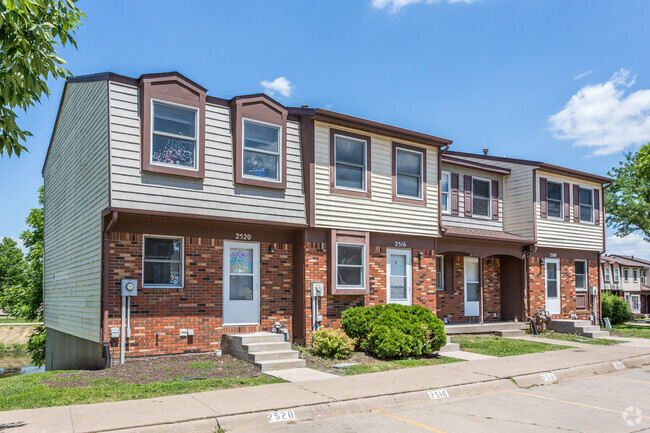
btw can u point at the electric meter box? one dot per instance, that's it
(318, 289)
(129, 287)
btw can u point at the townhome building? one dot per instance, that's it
(626, 276)
(173, 218)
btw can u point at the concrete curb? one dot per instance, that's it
(346, 407)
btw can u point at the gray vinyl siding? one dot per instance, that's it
(518, 196)
(558, 233)
(216, 195)
(76, 192)
(378, 213)
(473, 222)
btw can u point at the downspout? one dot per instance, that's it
(600, 298)
(480, 279)
(105, 331)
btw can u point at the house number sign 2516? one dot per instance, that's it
(243, 236)
(400, 244)
(283, 415)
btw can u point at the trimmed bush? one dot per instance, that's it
(333, 343)
(617, 309)
(395, 331)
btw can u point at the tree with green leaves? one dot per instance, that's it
(12, 266)
(30, 31)
(628, 197)
(24, 298)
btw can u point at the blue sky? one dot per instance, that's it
(558, 81)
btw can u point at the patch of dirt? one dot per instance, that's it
(325, 364)
(15, 334)
(160, 368)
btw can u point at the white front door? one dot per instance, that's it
(635, 303)
(553, 304)
(241, 283)
(472, 290)
(399, 276)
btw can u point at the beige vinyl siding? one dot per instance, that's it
(378, 213)
(630, 285)
(518, 196)
(216, 195)
(76, 192)
(461, 220)
(557, 233)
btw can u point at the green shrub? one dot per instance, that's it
(36, 346)
(333, 343)
(392, 331)
(616, 309)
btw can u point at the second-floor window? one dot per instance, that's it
(635, 275)
(174, 136)
(445, 196)
(408, 173)
(581, 275)
(616, 275)
(607, 274)
(586, 204)
(350, 163)
(554, 198)
(262, 151)
(626, 274)
(481, 197)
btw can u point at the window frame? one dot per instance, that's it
(556, 182)
(280, 153)
(182, 263)
(593, 207)
(635, 275)
(367, 179)
(440, 269)
(350, 238)
(607, 274)
(626, 275)
(617, 275)
(448, 192)
(422, 200)
(489, 198)
(586, 276)
(363, 266)
(152, 132)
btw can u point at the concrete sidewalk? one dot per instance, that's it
(247, 406)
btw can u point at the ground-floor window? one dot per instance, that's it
(440, 273)
(350, 266)
(581, 274)
(162, 262)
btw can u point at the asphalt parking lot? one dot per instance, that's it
(614, 402)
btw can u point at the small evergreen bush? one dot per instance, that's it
(617, 309)
(333, 343)
(395, 331)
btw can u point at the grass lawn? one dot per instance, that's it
(145, 378)
(497, 346)
(366, 363)
(10, 320)
(638, 331)
(577, 338)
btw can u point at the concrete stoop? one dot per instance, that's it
(265, 350)
(512, 333)
(449, 347)
(580, 327)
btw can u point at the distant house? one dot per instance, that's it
(232, 214)
(627, 277)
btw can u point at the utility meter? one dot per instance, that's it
(318, 289)
(129, 287)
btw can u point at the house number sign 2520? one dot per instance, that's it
(243, 236)
(283, 415)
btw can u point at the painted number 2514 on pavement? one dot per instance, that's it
(283, 415)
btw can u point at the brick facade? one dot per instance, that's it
(157, 315)
(451, 301)
(537, 287)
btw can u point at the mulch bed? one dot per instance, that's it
(160, 368)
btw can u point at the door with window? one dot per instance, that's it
(552, 269)
(472, 291)
(399, 276)
(635, 303)
(241, 283)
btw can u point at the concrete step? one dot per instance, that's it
(511, 333)
(583, 329)
(257, 337)
(280, 364)
(267, 347)
(449, 347)
(596, 334)
(273, 356)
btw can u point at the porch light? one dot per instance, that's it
(420, 255)
(271, 249)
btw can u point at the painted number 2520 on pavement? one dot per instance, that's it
(283, 415)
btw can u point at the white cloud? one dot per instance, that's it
(20, 244)
(630, 245)
(584, 74)
(280, 85)
(396, 5)
(604, 116)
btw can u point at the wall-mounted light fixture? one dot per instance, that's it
(489, 262)
(271, 249)
(420, 255)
